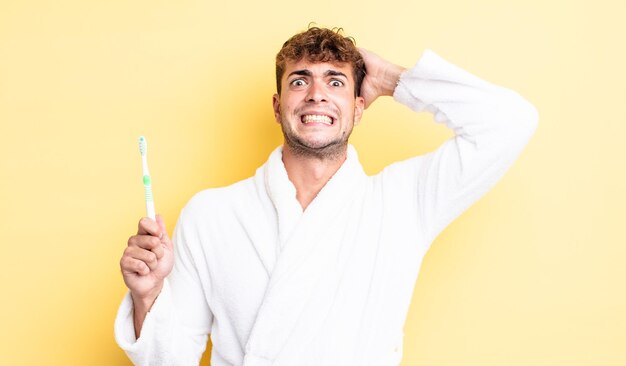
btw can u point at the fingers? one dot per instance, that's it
(148, 226)
(151, 236)
(160, 222)
(147, 242)
(165, 238)
(372, 60)
(133, 265)
(138, 260)
(146, 248)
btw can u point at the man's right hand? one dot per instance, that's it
(147, 260)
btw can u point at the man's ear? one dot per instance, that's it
(276, 106)
(359, 107)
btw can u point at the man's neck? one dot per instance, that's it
(309, 174)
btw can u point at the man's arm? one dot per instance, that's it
(492, 124)
(147, 260)
(164, 319)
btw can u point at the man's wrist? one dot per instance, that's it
(143, 303)
(391, 79)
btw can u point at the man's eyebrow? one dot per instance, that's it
(303, 72)
(335, 73)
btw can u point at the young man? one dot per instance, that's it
(311, 262)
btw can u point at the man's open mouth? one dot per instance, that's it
(317, 118)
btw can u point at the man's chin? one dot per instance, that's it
(322, 150)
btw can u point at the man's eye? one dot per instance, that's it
(298, 82)
(336, 83)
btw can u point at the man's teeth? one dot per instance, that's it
(317, 119)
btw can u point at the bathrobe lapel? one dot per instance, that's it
(311, 248)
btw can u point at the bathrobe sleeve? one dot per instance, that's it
(491, 126)
(175, 331)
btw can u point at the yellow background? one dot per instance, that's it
(533, 274)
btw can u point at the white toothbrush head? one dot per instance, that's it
(143, 146)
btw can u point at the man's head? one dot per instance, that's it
(319, 74)
(321, 45)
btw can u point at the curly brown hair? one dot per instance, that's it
(321, 45)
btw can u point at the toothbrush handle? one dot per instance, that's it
(147, 186)
(150, 209)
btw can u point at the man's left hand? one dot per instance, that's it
(381, 77)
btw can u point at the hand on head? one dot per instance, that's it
(381, 77)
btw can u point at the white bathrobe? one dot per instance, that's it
(274, 285)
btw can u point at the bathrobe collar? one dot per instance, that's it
(282, 192)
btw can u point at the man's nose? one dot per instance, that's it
(316, 93)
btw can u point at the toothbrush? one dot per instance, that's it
(147, 182)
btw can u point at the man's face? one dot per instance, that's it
(317, 108)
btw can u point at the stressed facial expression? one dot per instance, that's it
(317, 107)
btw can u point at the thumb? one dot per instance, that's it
(164, 237)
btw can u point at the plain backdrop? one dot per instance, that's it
(533, 274)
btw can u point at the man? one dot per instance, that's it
(311, 262)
